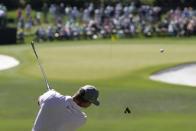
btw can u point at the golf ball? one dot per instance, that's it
(162, 50)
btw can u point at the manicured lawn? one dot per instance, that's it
(119, 69)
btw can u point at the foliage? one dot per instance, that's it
(37, 4)
(172, 4)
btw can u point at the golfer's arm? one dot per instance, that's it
(45, 96)
(42, 98)
(39, 101)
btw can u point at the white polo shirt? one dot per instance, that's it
(58, 113)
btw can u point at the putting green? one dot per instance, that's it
(119, 69)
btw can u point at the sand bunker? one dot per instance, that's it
(183, 75)
(7, 62)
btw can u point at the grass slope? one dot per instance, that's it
(119, 69)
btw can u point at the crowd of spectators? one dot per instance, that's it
(92, 21)
(179, 22)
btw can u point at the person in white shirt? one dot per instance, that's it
(63, 113)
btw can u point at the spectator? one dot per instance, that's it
(38, 18)
(19, 13)
(28, 11)
(3, 15)
(45, 12)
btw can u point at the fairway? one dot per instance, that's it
(119, 69)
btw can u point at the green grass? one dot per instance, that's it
(119, 69)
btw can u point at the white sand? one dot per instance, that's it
(7, 62)
(182, 75)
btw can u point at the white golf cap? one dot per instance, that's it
(91, 94)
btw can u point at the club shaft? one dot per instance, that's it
(41, 67)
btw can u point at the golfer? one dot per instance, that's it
(63, 113)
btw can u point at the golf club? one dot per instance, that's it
(41, 67)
